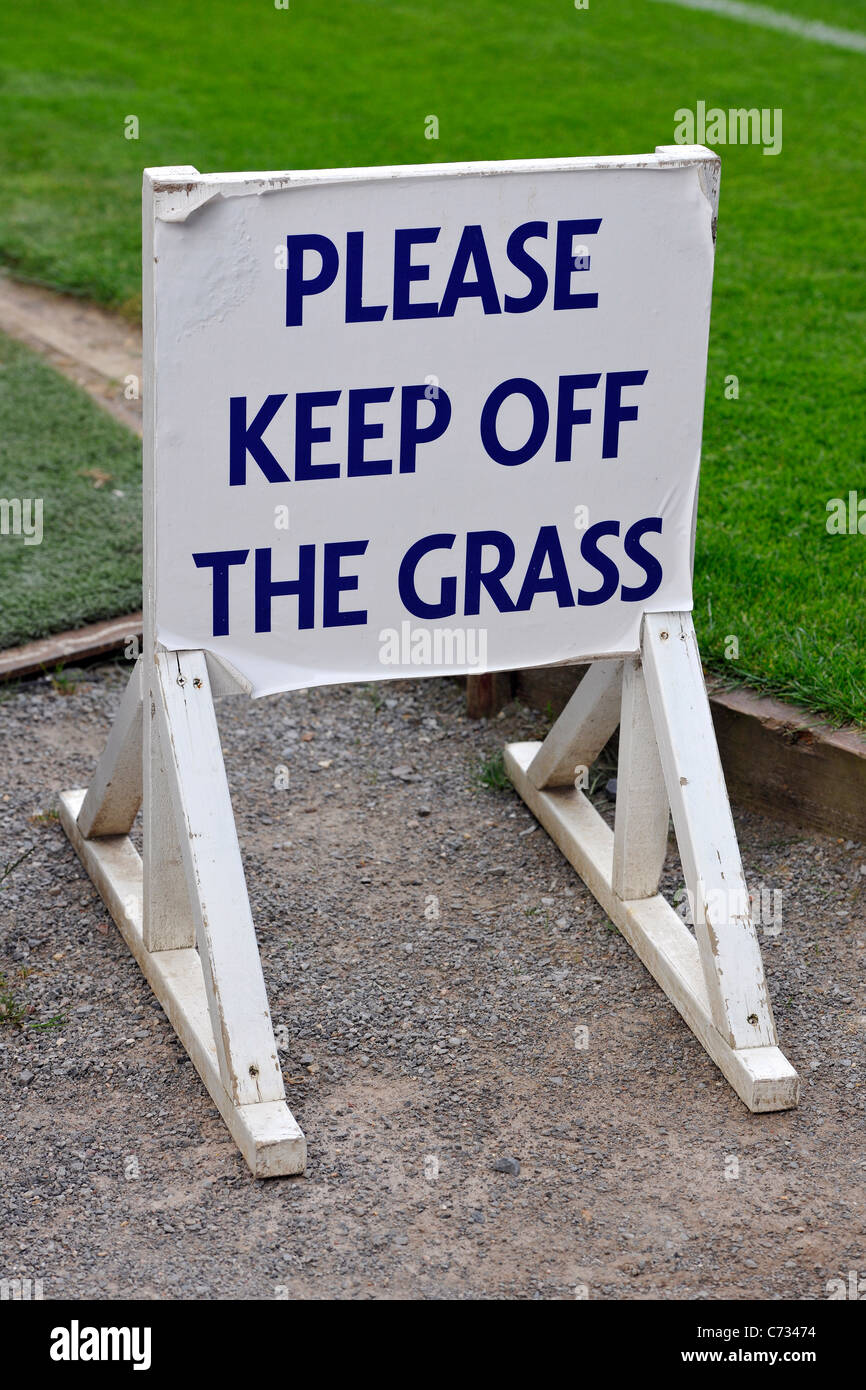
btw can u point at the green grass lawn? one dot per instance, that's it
(57, 445)
(228, 85)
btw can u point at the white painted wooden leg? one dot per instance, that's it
(642, 812)
(584, 727)
(114, 795)
(241, 1020)
(731, 957)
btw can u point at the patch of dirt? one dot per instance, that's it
(98, 350)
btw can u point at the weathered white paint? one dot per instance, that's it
(169, 923)
(181, 190)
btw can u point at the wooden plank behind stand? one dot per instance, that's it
(787, 763)
(79, 644)
(777, 759)
(488, 693)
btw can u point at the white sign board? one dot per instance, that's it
(425, 420)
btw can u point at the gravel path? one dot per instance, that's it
(431, 961)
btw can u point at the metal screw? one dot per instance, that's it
(663, 636)
(197, 682)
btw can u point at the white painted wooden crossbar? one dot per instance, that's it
(584, 727)
(114, 795)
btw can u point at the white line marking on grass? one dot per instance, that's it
(766, 18)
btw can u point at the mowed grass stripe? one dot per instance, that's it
(815, 31)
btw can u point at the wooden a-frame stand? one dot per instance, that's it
(184, 913)
(183, 910)
(668, 759)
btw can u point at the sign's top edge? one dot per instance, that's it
(179, 190)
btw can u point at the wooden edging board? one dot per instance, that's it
(63, 648)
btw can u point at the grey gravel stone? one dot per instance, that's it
(507, 1165)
